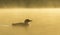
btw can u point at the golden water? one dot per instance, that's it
(45, 21)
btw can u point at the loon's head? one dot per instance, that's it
(27, 21)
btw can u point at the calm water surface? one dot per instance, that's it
(44, 22)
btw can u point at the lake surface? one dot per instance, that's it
(45, 21)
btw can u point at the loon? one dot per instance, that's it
(25, 23)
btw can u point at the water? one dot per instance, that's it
(44, 21)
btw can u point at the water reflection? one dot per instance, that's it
(45, 22)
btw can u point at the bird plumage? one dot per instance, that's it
(25, 23)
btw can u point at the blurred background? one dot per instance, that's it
(30, 3)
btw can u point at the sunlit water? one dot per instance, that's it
(44, 21)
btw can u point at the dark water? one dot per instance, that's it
(45, 21)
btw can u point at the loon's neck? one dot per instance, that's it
(26, 23)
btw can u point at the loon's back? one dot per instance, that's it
(20, 24)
